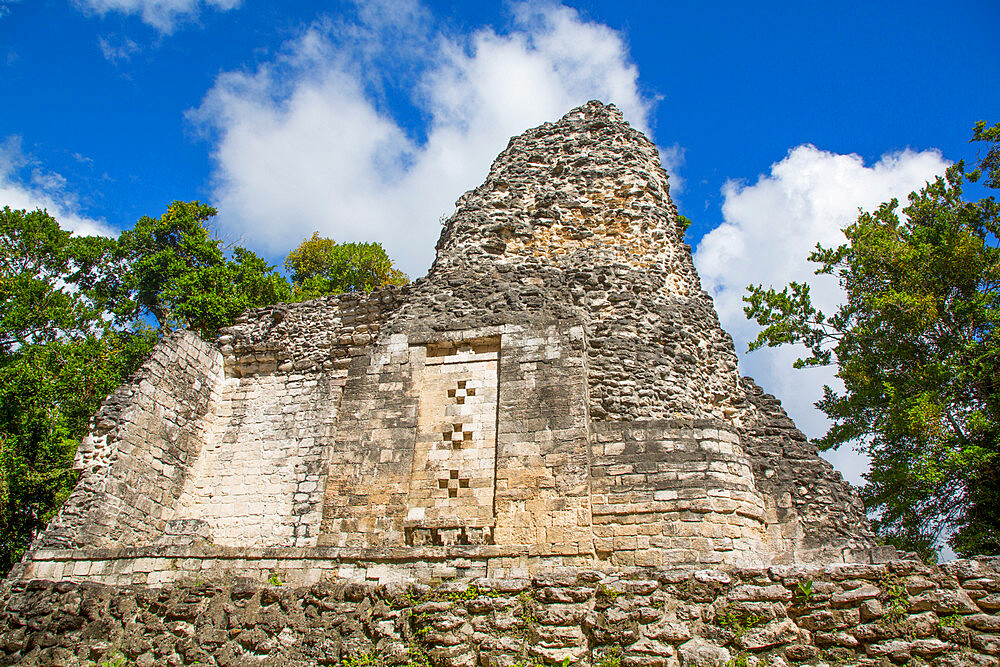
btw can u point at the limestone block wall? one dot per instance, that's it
(474, 438)
(320, 335)
(223, 442)
(259, 480)
(543, 444)
(371, 459)
(675, 492)
(864, 615)
(454, 462)
(509, 465)
(145, 438)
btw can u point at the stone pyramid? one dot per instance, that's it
(557, 391)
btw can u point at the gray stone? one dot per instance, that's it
(700, 653)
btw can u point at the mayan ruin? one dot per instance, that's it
(542, 452)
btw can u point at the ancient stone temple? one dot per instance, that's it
(550, 426)
(556, 391)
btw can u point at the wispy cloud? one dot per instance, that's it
(24, 184)
(306, 142)
(164, 15)
(5, 7)
(768, 231)
(117, 49)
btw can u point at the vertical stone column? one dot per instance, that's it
(543, 450)
(454, 465)
(371, 459)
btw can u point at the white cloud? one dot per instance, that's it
(163, 15)
(117, 50)
(42, 189)
(768, 231)
(304, 142)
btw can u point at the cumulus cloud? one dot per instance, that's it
(769, 228)
(164, 15)
(306, 142)
(25, 185)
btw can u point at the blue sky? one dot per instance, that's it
(365, 121)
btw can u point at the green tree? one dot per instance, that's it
(917, 346)
(48, 392)
(36, 263)
(58, 360)
(321, 266)
(176, 272)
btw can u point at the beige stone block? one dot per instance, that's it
(81, 569)
(40, 570)
(625, 543)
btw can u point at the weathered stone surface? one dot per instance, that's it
(983, 622)
(775, 633)
(986, 644)
(852, 597)
(944, 601)
(549, 427)
(556, 391)
(229, 622)
(700, 653)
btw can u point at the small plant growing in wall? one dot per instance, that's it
(896, 599)
(952, 620)
(737, 623)
(369, 659)
(527, 613)
(606, 592)
(742, 659)
(610, 657)
(116, 659)
(416, 656)
(951, 627)
(470, 593)
(274, 579)
(804, 591)
(739, 660)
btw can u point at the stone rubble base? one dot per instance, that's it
(901, 612)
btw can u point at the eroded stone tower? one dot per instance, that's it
(556, 391)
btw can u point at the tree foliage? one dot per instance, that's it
(917, 346)
(58, 359)
(36, 263)
(48, 392)
(176, 272)
(321, 266)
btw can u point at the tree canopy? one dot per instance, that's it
(59, 357)
(321, 266)
(916, 343)
(176, 272)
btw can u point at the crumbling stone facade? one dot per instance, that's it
(553, 410)
(557, 391)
